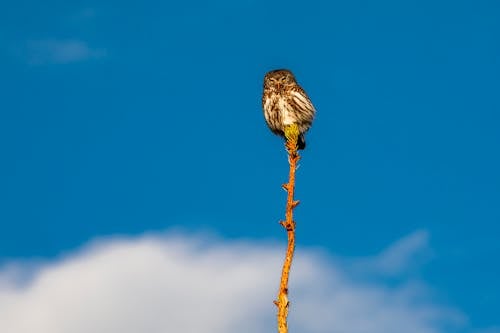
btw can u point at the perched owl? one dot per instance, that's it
(285, 103)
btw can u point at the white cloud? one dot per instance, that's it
(175, 283)
(55, 51)
(402, 257)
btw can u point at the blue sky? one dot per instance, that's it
(125, 118)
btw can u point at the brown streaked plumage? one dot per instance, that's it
(285, 103)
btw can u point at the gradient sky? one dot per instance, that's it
(121, 117)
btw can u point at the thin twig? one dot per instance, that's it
(291, 135)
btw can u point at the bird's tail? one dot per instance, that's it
(301, 143)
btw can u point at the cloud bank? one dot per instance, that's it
(178, 283)
(400, 259)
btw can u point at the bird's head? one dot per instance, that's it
(278, 79)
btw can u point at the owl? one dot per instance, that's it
(286, 103)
